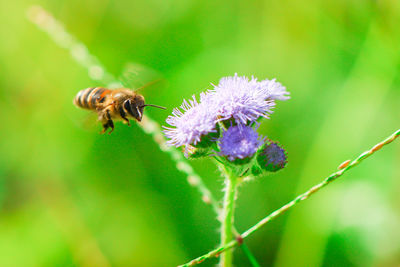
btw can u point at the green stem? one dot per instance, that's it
(227, 221)
(250, 256)
(246, 250)
(342, 169)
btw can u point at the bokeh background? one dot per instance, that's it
(72, 197)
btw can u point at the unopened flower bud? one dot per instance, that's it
(272, 157)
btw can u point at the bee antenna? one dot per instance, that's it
(149, 105)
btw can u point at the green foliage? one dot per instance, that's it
(72, 197)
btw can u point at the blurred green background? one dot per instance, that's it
(72, 197)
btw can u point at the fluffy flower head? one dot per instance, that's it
(243, 100)
(239, 142)
(275, 89)
(196, 120)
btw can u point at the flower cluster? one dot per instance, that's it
(239, 142)
(223, 120)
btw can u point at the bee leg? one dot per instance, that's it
(123, 116)
(111, 125)
(126, 120)
(107, 122)
(106, 125)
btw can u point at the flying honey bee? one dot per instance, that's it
(117, 104)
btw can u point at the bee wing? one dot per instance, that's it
(88, 121)
(137, 77)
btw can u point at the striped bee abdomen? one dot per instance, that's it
(89, 97)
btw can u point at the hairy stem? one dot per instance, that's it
(342, 169)
(227, 217)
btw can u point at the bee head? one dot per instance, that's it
(135, 107)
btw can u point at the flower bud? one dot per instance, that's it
(272, 157)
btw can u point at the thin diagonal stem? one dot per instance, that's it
(152, 128)
(250, 256)
(80, 53)
(304, 196)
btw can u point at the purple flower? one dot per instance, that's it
(272, 157)
(238, 98)
(239, 142)
(276, 90)
(197, 120)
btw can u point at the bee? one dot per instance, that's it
(117, 104)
